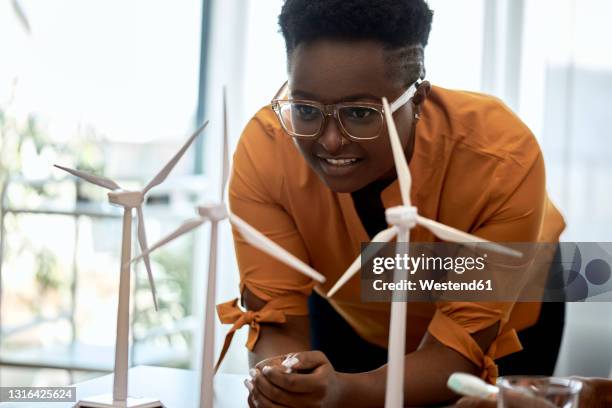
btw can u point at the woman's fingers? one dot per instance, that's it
(249, 385)
(308, 360)
(271, 391)
(301, 380)
(511, 400)
(516, 399)
(311, 383)
(596, 392)
(250, 400)
(472, 402)
(262, 401)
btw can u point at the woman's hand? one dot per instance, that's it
(512, 401)
(596, 393)
(312, 382)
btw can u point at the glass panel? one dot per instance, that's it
(109, 87)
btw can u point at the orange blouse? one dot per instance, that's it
(475, 167)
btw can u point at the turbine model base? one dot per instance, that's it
(106, 401)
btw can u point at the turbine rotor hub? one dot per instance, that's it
(124, 198)
(213, 211)
(402, 216)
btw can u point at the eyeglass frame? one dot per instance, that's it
(403, 99)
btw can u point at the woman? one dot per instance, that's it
(315, 173)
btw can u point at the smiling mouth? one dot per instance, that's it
(340, 166)
(340, 162)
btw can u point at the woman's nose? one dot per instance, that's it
(332, 138)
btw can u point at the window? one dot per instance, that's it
(111, 87)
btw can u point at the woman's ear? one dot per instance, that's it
(421, 94)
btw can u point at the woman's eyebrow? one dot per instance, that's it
(353, 97)
(302, 94)
(361, 96)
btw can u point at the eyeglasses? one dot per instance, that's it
(306, 119)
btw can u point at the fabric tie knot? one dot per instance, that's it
(250, 317)
(490, 370)
(231, 313)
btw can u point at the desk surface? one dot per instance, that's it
(175, 388)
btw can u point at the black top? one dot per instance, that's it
(370, 208)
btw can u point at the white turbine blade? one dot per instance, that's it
(383, 236)
(161, 176)
(97, 180)
(21, 15)
(225, 158)
(401, 165)
(454, 235)
(142, 241)
(265, 244)
(183, 229)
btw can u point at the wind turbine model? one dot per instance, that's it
(128, 200)
(215, 213)
(403, 218)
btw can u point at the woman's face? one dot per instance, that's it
(332, 71)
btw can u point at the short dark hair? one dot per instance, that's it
(398, 24)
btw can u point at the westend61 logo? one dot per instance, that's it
(422, 262)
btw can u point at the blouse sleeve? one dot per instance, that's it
(254, 195)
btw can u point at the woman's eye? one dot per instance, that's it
(306, 111)
(359, 113)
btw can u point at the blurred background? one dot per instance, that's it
(114, 87)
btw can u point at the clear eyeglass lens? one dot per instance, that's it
(361, 122)
(301, 119)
